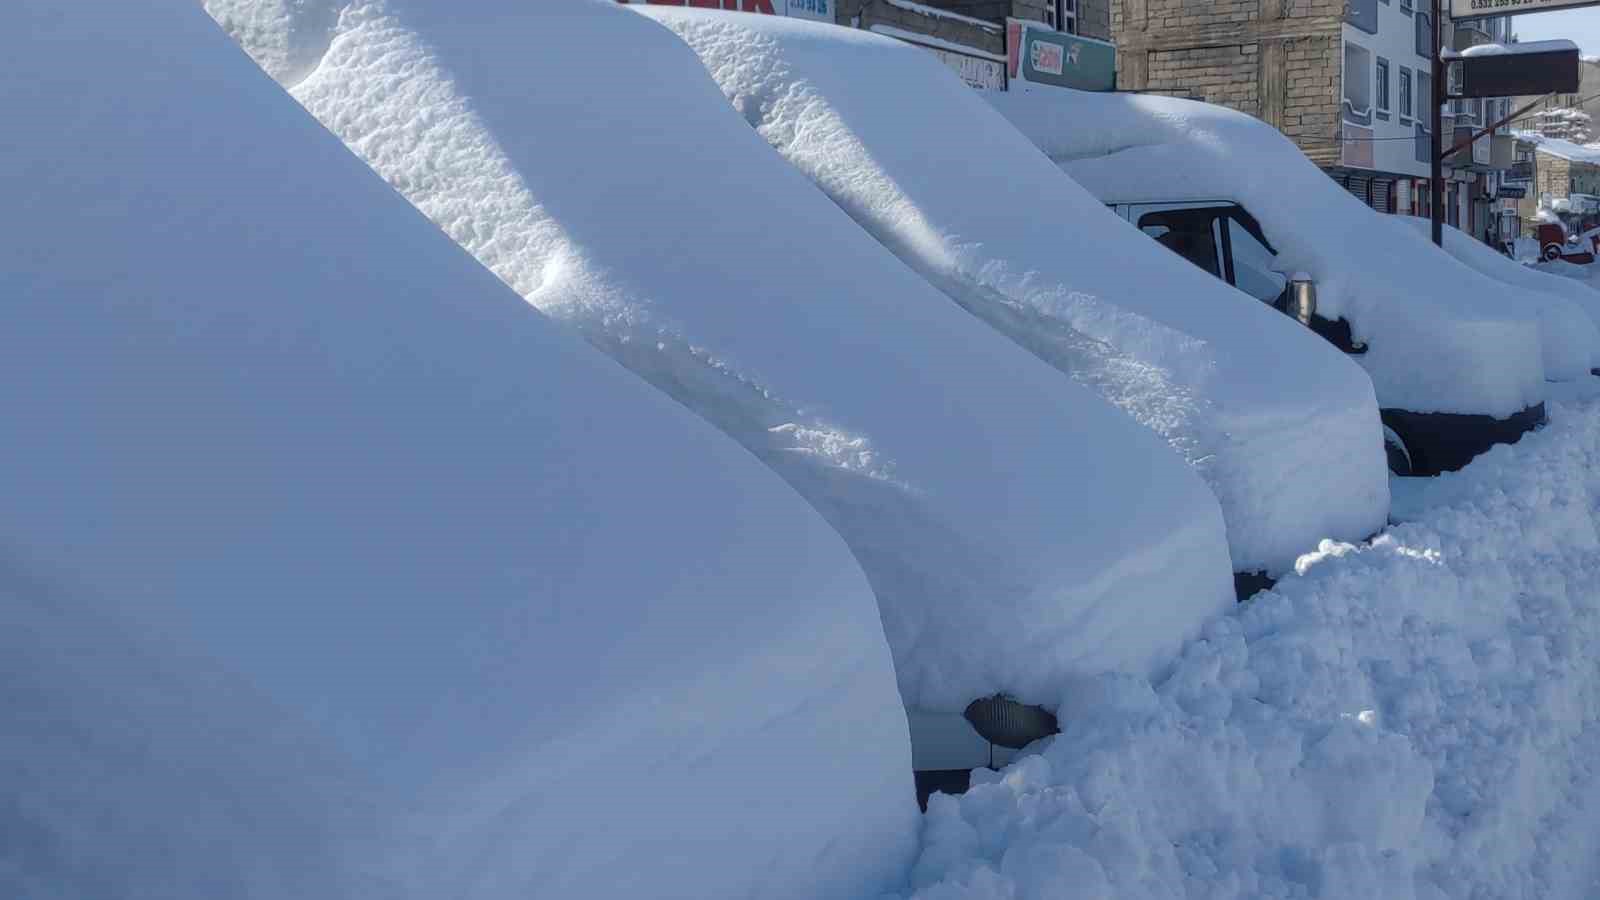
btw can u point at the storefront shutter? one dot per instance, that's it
(1382, 195)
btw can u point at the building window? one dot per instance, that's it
(1357, 84)
(1383, 84)
(1425, 97)
(1405, 93)
(1063, 15)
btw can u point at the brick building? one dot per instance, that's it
(1348, 80)
(1561, 177)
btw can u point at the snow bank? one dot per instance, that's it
(1562, 149)
(1588, 273)
(1014, 528)
(1568, 314)
(1251, 399)
(1441, 338)
(1411, 719)
(328, 569)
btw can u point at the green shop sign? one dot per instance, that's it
(1038, 54)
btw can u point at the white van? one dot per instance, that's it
(1224, 239)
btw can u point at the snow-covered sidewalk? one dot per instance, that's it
(1414, 718)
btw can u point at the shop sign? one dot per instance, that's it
(1038, 54)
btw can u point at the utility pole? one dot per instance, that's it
(1436, 178)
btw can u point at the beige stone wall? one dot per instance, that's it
(1224, 75)
(1553, 177)
(1276, 59)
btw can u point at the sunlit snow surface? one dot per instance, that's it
(1440, 336)
(1014, 527)
(330, 570)
(1419, 718)
(1567, 320)
(1251, 399)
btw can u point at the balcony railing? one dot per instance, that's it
(1359, 115)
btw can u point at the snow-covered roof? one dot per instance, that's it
(1440, 337)
(1562, 149)
(332, 570)
(920, 161)
(999, 510)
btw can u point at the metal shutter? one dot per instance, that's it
(1382, 195)
(1360, 187)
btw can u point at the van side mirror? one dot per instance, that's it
(1302, 300)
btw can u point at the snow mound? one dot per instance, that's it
(1584, 274)
(1014, 528)
(1414, 718)
(1251, 399)
(1569, 314)
(329, 569)
(1440, 337)
(287, 37)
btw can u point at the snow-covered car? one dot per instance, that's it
(1250, 400)
(1569, 325)
(1457, 360)
(330, 570)
(1018, 531)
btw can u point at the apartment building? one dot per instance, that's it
(1556, 178)
(1569, 117)
(1348, 80)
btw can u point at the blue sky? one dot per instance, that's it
(1581, 26)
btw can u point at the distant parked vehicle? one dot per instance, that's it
(1554, 244)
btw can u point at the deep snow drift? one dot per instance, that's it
(1568, 313)
(329, 569)
(1412, 719)
(1441, 338)
(1250, 398)
(1014, 527)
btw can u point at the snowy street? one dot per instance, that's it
(1417, 718)
(792, 450)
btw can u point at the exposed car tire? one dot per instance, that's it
(1397, 452)
(1552, 252)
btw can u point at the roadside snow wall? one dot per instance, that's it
(1569, 321)
(329, 569)
(916, 157)
(1415, 719)
(1442, 338)
(1015, 528)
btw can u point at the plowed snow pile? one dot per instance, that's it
(330, 570)
(1440, 337)
(1417, 718)
(917, 158)
(1015, 528)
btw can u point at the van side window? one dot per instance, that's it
(1194, 234)
(1252, 264)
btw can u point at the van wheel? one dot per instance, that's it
(1552, 252)
(1397, 452)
